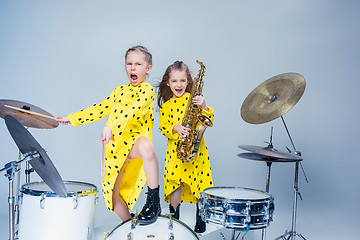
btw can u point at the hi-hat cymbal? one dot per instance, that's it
(42, 165)
(26, 119)
(263, 158)
(270, 152)
(273, 98)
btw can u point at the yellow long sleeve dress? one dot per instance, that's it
(130, 110)
(195, 175)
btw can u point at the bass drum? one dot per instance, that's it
(162, 229)
(45, 215)
(236, 207)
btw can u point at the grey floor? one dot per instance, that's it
(319, 225)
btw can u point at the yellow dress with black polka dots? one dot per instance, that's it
(130, 110)
(195, 175)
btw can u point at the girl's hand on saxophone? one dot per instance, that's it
(200, 100)
(181, 130)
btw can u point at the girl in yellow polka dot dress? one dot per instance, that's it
(183, 180)
(130, 157)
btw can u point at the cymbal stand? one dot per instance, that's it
(268, 172)
(268, 164)
(12, 168)
(292, 234)
(28, 170)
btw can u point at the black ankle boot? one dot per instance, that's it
(175, 213)
(200, 225)
(151, 209)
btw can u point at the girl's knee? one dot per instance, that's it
(146, 145)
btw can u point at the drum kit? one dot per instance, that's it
(42, 210)
(55, 204)
(244, 209)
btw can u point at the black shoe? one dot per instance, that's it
(175, 213)
(200, 225)
(151, 209)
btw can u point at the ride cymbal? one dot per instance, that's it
(273, 98)
(27, 119)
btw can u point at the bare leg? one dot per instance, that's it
(175, 197)
(119, 205)
(144, 148)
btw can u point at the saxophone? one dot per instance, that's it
(187, 147)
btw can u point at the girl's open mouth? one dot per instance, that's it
(178, 91)
(133, 77)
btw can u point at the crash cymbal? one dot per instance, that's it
(270, 152)
(259, 157)
(26, 119)
(273, 98)
(42, 165)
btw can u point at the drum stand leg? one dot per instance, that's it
(267, 187)
(233, 235)
(292, 234)
(11, 168)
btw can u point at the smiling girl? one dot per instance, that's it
(183, 181)
(130, 156)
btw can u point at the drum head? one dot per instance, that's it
(73, 188)
(234, 193)
(156, 231)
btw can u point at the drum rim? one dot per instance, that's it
(161, 215)
(33, 192)
(269, 196)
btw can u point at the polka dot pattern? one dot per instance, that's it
(195, 175)
(130, 110)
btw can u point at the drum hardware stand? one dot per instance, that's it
(234, 233)
(292, 234)
(171, 227)
(28, 169)
(268, 164)
(171, 222)
(268, 173)
(12, 168)
(233, 237)
(134, 221)
(222, 235)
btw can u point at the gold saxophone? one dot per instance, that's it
(187, 147)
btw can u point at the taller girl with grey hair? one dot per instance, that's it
(130, 156)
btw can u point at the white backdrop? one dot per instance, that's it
(66, 55)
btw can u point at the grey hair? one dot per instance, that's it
(142, 49)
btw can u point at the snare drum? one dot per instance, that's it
(236, 207)
(46, 215)
(162, 229)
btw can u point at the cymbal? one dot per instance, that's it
(42, 165)
(273, 98)
(259, 157)
(27, 119)
(270, 152)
